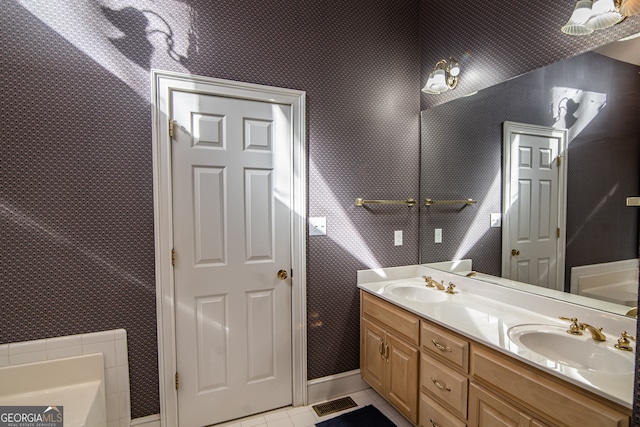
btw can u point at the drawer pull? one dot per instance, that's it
(386, 352)
(440, 346)
(380, 349)
(433, 423)
(440, 385)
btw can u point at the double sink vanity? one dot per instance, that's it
(448, 350)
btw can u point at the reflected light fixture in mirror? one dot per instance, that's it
(591, 15)
(443, 77)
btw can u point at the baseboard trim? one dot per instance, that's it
(318, 390)
(326, 388)
(148, 421)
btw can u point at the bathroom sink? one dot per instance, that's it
(413, 292)
(577, 351)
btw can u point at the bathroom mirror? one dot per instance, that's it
(596, 97)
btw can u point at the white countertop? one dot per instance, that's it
(484, 312)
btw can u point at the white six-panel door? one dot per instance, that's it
(231, 218)
(534, 196)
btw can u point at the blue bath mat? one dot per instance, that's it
(369, 416)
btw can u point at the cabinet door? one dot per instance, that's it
(402, 377)
(372, 362)
(488, 410)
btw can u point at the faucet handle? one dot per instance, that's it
(575, 328)
(624, 343)
(450, 288)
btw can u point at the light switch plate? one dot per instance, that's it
(496, 220)
(397, 237)
(437, 235)
(318, 226)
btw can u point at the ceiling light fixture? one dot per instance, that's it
(443, 77)
(591, 15)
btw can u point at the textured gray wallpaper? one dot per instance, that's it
(76, 208)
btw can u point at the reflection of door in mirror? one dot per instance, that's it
(534, 202)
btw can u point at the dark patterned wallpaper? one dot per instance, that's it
(76, 206)
(603, 161)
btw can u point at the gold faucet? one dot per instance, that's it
(624, 343)
(633, 312)
(576, 328)
(471, 274)
(596, 333)
(440, 286)
(450, 288)
(429, 281)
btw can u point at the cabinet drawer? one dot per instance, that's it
(444, 383)
(538, 392)
(403, 323)
(432, 414)
(445, 345)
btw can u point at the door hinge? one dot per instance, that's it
(558, 232)
(173, 257)
(559, 158)
(172, 124)
(177, 381)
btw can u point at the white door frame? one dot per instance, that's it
(162, 83)
(509, 129)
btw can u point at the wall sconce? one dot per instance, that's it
(443, 77)
(591, 15)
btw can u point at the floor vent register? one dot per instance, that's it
(337, 405)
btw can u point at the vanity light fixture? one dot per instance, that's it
(591, 15)
(630, 7)
(443, 77)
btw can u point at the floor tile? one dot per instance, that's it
(305, 416)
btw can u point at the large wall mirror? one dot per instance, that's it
(595, 97)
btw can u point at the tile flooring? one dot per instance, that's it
(305, 416)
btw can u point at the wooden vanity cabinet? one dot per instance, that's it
(549, 400)
(444, 384)
(464, 383)
(488, 410)
(389, 355)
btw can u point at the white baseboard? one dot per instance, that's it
(318, 390)
(148, 421)
(327, 388)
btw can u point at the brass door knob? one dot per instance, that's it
(282, 274)
(515, 252)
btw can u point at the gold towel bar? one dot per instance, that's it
(429, 202)
(633, 201)
(362, 202)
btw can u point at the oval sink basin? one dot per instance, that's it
(415, 293)
(577, 351)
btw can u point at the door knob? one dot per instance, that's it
(282, 274)
(515, 252)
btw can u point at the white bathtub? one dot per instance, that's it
(75, 383)
(614, 281)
